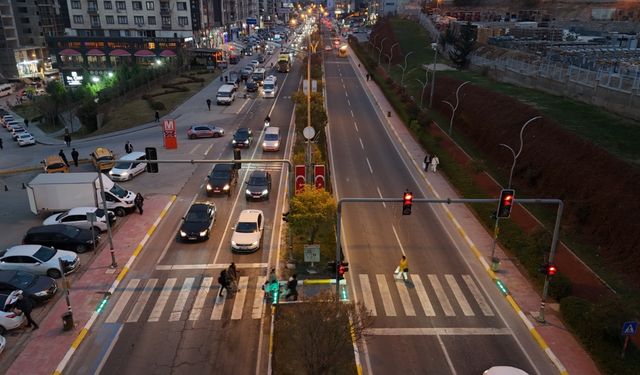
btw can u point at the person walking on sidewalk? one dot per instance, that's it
(67, 137)
(63, 157)
(26, 123)
(403, 269)
(26, 305)
(368, 76)
(209, 104)
(157, 116)
(434, 163)
(427, 162)
(128, 147)
(75, 155)
(138, 201)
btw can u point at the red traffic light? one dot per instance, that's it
(407, 200)
(408, 197)
(506, 202)
(551, 270)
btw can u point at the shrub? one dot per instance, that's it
(158, 106)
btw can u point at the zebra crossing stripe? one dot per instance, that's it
(404, 297)
(256, 312)
(162, 300)
(422, 295)
(142, 301)
(457, 292)
(386, 295)
(367, 295)
(218, 306)
(442, 297)
(200, 298)
(482, 302)
(181, 301)
(122, 301)
(241, 294)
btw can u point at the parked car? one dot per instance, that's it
(204, 131)
(197, 223)
(242, 138)
(55, 164)
(26, 139)
(78, 218)
(62, 236)
(222, 179)
(38, 288)
(9, 320)
(247, 234)
(16, 131)
(105, 156)
(258, 185)
(40, 260)
(260, 59)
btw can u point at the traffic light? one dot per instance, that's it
(548, 269)
(237, 156)
(151, 154)
(342, 268)
(407, 201)
(507, 197)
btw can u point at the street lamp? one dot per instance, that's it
(434, 46)
(453, 113)
(380, 49)
(391, 57)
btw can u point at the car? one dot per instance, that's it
(504, 370)
(247, 234)
(245, 73)
(251, 86)
(9, 320)
(105, 157)
(38, 259)
(130, 166)
(38, 288)
(247, 51)
(11, 125)
(26, 139)
(255, 63)
(63, 236)
(258, 185)
(55, 164)
(78, 217)
(261, 59)
(197, 223)
(234, 77)
(222, 179)
(16, 131)
(204, 131)
(242, 138)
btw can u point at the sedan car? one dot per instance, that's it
(8, 319)
(197, 223)
(247, 234)
(251, 86)
(204, 131)
(255, 63)
(26, 139)
(242, 138)
(62, 236)
(16, 131)
(260, 59)
(258, 185)
(78, 217)
(38, 288)
(40, 260)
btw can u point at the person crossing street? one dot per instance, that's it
(75, 156)
(403, 269)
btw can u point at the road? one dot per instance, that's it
(449, 319)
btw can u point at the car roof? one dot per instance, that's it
(49, 228)
(53, 159)
(102, 151)
(133, 156)
(249, 215)
(200, 206)
(21, 250)
(81, 210)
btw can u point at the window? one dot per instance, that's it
(26, 31)
(92, 6)
(75, 4)
(150, 5)
(22, 10)
(121, 5)
(78, 19)
(108, 5)
(181, 6)
(138, 20)
(122, 20)
(136, 5)
(24, 20)
(109, 20)
(151, 20)
(166, 21)
(183, 21)
(95, 20)
(115, 33)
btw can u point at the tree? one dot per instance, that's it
(310, 210)
(463, 46)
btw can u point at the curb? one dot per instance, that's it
(83, 332)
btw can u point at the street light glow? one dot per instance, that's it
(95, 79)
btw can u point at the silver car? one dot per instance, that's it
(78, 218)
(39, 260)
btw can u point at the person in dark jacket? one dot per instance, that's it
(223, 280)
(292, 290)
(64, 157)
(75, 155)
(138, 201)
(26, 305)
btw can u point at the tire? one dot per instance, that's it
(96, 230)
(120, 212)
(54, 273)
(81, 249)
(2, 330)
(216, 135)
(192, 136)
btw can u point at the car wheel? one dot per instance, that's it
(96, 231)
(54, 273)
(119, 211)
(2, 330)
(192, 136)
(216, 135)
(81, 249)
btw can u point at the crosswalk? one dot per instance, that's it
(196, 298)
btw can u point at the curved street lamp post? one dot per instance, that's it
(453, 109)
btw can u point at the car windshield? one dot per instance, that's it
(268, 86)
(121, 165)
(25, 136)
(197, 216)
(44, 253)
(243, 132)
(55, 166)
(22, 280)
(105, 158)
(219, 174)
(70, 231)
(257, 181)
(99, 212)
(224, 94)
(271, 137)
(246, 227)
(118, 191)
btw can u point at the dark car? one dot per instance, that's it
(222, 179)
(258, 185)
(260, 58)
(39, 288)
(62, 236)
(196, 224)
(252, 86)
(246, 73)
(242, 138)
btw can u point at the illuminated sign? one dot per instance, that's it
(73, 79)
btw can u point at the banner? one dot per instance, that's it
(301, 180)
(169, 134)
(318, 179)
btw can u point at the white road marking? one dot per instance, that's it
(398, 239)
(361, 144)
(422, 295)
(380, 194)
(444, 331)
(484, 306)
(351, 113)
(216, 314)
(241, 294)
(193, 150)
(206, 266)
(356, 126)
(256, 312)
(386, 296)
(369, 164)
(347, 95)
(142, 301)
(457, 292)
(348, 103)
(404, 297)
(367, 294)
(196, 310)
(208, 149)
(162, 300)
(442, 297)
(181, 301)
(122, 301)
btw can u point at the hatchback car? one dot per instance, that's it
(26, 139)
(247, 234)
(258, 185)
(251, 86)
(8, 319)
(55, 164)
(62, 236)
(204, 131)
(105, 157)
(78, 218)
(40, 260)
(242, 138)
(38, 288)
(197, 223)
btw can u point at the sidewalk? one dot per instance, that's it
(564, 346)
(47, 346)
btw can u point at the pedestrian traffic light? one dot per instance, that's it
(342, 268)
(237, 156)
(151, 154)
(507, 197)
(407, 201)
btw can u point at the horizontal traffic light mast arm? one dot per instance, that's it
(203, 161)
(447, 201)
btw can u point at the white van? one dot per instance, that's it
(271, 139)
(226, 94)
(270, 87)
(131, 165)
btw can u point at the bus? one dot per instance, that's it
(6, 89)
(342, 51)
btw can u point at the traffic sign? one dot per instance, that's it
(629, 328)
(311, 253)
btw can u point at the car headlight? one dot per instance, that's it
(246, 142)
(248, 192)
(264, 144)
(209, 187)
(41, 294)
(203, 233)
(233, 141)
(182, 233)
(226, 187)
(124, 173)
(254, 243)
(265, 191)
(277, 144)
(233, 243)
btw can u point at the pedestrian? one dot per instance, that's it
(368, 76)
(223, 280)
(64, 157)
(209, 104)
(67, 139)
(157, 116)
(139, 201)
(426, 162)
(25, 304)
(75, 155)
(292, 285)
(434, 163)
(128, 147)
(1, 145)
(232, 272)
(26, 123)
(402, 271)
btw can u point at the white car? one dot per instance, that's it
(39, 260)
(504, 370)
(247, 234)
(25, 139)
(8, 319)
(78, 218)
(255, 63)
(3, 343)
(16, 131)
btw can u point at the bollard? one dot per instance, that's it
(23, 186)
(6, 188)
(495, 264)
(388, 113)
(67, 321)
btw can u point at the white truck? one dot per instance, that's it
(63, 191)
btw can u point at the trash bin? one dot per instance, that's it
(495, 264)
(67, 321)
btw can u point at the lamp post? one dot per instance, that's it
(391, 57)
(380, 49)
(453, 113)
(309, 131)
(434, 46)
(404, 67)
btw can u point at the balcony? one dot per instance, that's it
(166, 26)
(92, 10)
(165, 11)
